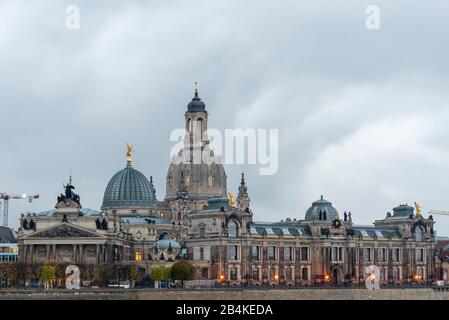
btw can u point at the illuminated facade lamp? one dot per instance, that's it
(276, 277)
(327, 277)
(222, 277)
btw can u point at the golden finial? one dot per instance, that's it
(129, 151)
(196, 87)
(231, 200)
(418, 208)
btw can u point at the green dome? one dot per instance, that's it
(129, 188)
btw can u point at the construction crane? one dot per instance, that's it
(438, 212)
(6, 197)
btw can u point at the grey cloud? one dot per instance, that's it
(71, 99)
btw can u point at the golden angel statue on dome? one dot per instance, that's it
(129, 151)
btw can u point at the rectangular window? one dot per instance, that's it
(232, 252)
(255, 253)
(233, 273)
(256, 274)
(337, 254)
(396, 254)
(419, 255)
(288, 274)
(271, 253)
(367, 254)
(304, 253)
(288, 253)
(382, 274)
(396, 273)
(272, 273)
(381, 255)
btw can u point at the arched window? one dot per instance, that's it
(200, 127)
(419, 233)
(189, 125)
(138, 255)
(232, 229)
(164, 236)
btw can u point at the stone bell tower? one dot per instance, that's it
(196, 122)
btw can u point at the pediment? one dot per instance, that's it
(64, 230)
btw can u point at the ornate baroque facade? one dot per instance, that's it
(200, 222)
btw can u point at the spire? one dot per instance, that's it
(243, 189)
(243, 200)
(152, 188)
(196, 105)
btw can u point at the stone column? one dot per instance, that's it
(98, 253)
(81, 252)
(54, 252)
(24, 253)
(31, 253)
(48, 252)
(74, 253)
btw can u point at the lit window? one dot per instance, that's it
(138, 255)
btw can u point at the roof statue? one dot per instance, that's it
(231, 200)
(418, 208)
(196, 87)
(129, 151)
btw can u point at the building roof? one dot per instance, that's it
(196, 105)
(129, 188)
(373, 232)
(7, 235)
(313, 213)
(138, 219)
(279, 230)
(84, 211)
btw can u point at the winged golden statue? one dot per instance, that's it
(129, 151)
(418, 208)
(231, 200)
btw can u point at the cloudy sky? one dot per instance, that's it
(362, 114)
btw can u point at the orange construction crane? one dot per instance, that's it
(6, 197)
